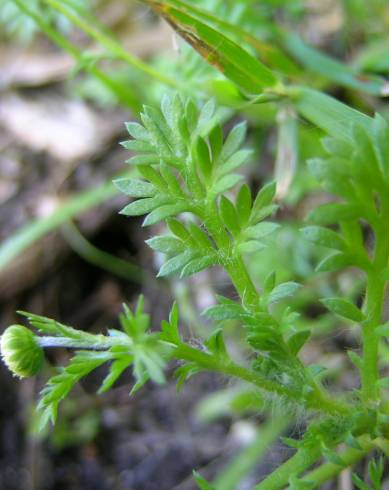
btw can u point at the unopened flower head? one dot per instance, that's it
(20, 351)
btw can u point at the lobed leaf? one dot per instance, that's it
(198, 264)
(335, 262)
(166, 244)
(282, 291)
(324, 237)
(344, 308)
(225, 183)
(135, 188)
(334, 213)
(229, 215)
(176, 263)
(334, 117)
(261, 230)
(297, 341)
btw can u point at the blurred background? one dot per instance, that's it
(71, 74)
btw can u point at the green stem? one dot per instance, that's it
(236, 269)
(301, 461)
(369, 374)
(213, 363)
(306, 457)
(181, 352)
(328, 470)
(111, 45)
(373, 310)
(202, 359)
(320, 398)
(97, 342)
(229, 368)
(233, 264)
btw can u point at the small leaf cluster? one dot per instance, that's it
(187, 179)
(356, 171)
(191, 172)
(187, 166)
(132, 346)
(266, 335)
(376, 472)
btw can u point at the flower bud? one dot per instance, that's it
(20, 351)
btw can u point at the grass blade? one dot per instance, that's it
(30, 233)
(221, 52)
(332, 69)
(269, 53)
(329, 114)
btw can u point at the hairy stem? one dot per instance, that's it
(237, 271)
(204, 360)
(229, 368)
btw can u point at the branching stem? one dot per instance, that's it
(236, 269)
(203, 359)
(329, 470)
(229, 368)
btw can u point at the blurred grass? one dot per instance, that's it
(68, 209)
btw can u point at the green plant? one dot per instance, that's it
(185, 167)
(186, 177)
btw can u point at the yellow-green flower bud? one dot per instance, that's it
(20, 351)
